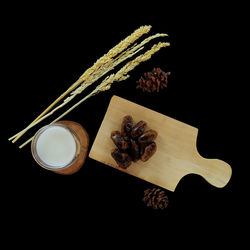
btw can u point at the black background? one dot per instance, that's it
(50, 47)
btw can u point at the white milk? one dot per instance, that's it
(56, 146)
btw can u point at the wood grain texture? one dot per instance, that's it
(176, 154)
(84, 144)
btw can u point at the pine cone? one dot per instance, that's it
(153, 81)
(155, 198)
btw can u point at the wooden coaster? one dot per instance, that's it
(84, 142)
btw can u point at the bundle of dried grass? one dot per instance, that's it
(102, 66)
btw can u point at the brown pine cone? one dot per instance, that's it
(155, 198)
(153, 81)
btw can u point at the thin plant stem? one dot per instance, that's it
(111, 54)
(121, 75)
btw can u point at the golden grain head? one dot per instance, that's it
(103, 65)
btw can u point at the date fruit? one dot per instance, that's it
(138, 129)
(135, 150)
(142, 149)
(133, 143)
(149, 151)
(148, 136)
(119, 141)
(127, 125)
(122, 159)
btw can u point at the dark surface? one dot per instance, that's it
(48, 52)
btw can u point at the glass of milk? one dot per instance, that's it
(55, 147)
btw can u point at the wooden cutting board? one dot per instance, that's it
(176, 154)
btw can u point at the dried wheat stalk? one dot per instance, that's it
(121, 75)
(98, 73)
(111, 64)
(104, 59)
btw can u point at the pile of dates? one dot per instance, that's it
(133, 143)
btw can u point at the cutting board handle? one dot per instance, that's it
(214, 171)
